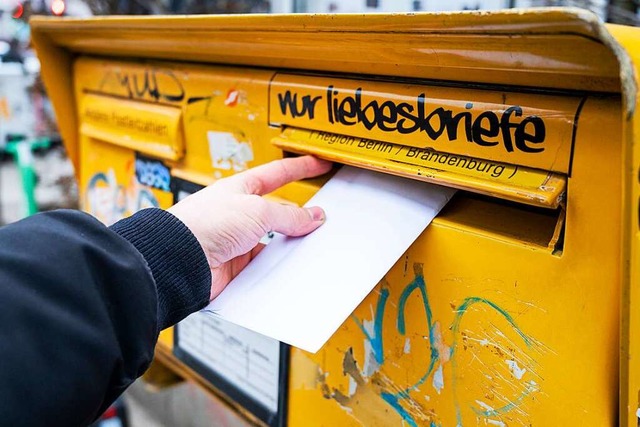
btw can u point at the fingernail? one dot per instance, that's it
(317, 214)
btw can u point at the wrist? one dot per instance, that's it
(176, 259)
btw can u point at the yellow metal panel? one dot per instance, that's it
(630, 260)
(59, 83)
(511, 223)
(507, 47)
(465, 329)
(215, 110)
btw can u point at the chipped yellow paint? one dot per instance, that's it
(491, 317)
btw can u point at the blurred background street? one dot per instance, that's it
(56, 187)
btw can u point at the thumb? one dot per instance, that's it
(292, 220)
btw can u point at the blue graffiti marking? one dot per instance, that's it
(506, 408)
(468, 302)
(392, 399)
(110, 201)
(375, 339)
(460, 312)
(418, 283)
(153, 173)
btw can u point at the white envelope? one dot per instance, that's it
(300, 290)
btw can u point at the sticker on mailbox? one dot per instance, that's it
(152, 173)
(227, 152)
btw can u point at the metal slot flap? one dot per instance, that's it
(147, 128)
(511, 182)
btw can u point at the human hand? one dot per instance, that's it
(230, 216)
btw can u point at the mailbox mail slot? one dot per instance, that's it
(515, 307)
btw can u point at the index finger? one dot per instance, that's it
(266, 178)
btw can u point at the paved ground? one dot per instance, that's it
(183, 405)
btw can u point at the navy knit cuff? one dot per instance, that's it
(176, 260)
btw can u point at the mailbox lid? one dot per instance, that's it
(540, 49)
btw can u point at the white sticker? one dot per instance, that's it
(249, 361)
(227, 152)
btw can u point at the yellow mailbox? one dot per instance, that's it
(518, 306)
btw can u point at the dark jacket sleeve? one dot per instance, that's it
(82, 305)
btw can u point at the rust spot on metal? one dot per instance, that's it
(341, 398)
(326, 392)
(417, 268)
(350, 367)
